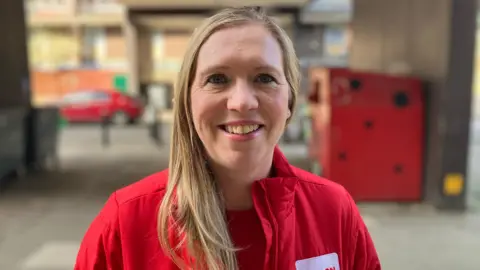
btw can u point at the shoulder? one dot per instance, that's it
(132, 206)
(139, 202)
(134, 210)
(329, 191)
(146, 194)
(152, 185)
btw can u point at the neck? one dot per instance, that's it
(236, 183)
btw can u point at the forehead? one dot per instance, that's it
(249, 44)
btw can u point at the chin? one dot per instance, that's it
(243, 150)
(238, 155)
(247, 151)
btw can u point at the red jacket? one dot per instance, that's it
(308, 222)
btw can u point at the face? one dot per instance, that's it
(240, 95)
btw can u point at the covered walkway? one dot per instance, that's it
(44, 216)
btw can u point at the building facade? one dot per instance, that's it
(76, 34)
(145, 39)
(74, 44)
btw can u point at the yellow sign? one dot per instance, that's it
(453, 184)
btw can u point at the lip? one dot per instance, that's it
(242, 137)
(242, 123)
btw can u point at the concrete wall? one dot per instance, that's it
(407, 34)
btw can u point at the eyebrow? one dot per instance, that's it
(269, 68)
(211, 69)
(214, 68)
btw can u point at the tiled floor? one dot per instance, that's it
(43, 218)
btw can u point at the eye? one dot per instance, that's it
(265, 79)
(217, 79)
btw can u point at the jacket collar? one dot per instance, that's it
(281, 165)
(277, 191)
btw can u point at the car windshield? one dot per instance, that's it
(85, 97)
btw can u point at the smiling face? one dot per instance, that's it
(239, 96)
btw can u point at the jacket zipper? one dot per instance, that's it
(273, 222)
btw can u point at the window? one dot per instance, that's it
(73, 98)
(336, 41)
(99, 96)
(85, 97)
(94, 46)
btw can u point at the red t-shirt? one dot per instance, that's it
(247, 234)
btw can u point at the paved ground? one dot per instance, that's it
(43, 218)
(474, 168)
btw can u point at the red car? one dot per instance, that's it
(95, 105)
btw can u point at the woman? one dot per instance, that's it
(229, 199)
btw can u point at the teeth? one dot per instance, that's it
(241, 129)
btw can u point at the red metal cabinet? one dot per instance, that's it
(368, 133)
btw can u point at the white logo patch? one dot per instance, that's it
(323, 262)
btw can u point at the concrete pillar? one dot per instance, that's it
(14, 69)
(131, 38)
(434, 40)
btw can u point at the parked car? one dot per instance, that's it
(98, 104)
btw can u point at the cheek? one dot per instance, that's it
(277, 106)
(197, 109)
(203, 109)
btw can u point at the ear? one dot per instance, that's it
(289, 114)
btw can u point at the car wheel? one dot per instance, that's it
(120, 119)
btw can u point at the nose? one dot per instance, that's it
(242, 97)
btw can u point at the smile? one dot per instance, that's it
(241, 129)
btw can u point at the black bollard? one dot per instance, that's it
(105, 130)
(156, 130)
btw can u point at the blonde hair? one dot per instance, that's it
(192, 213)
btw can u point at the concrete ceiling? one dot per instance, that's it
(207, 4)
(187, 22)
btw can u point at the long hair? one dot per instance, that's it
(191, 216)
